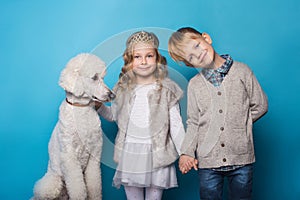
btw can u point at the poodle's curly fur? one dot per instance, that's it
(76, 143)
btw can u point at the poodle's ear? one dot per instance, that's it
(70, 81)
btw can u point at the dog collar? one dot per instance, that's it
(77, 104)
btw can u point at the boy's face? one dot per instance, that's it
(199, 52)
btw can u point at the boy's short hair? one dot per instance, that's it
(188, 30)
(178, 40)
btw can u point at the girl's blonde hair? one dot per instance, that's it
(127, 76)
(178, 40)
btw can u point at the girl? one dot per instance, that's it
(146, 110)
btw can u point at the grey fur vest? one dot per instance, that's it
(160, 100)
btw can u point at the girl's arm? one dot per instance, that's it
(186, 163)
(105, 111)
(176, 127)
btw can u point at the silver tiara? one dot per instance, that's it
(142, 36)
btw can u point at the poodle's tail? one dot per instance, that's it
(48, 187)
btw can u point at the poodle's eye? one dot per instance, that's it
(95, 78)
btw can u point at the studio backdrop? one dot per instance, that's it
(37, 38)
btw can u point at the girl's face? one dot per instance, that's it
(144, 63)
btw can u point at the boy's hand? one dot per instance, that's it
(186, 163)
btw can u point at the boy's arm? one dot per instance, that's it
(190, 141)
(258, 99)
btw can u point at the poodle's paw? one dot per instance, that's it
(77, 195)
(95, 196)
(48, 187)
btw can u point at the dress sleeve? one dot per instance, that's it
(176, 127)
(106, 112)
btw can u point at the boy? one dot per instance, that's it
(224, 100)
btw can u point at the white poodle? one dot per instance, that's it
(76, 142)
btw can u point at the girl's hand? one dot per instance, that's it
(97, 105)
(186, 163)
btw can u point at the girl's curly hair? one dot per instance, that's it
(127, 76)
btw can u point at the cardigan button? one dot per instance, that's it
(222, 145)
(222, 128)
(224, 159)
(219, 93)
(220, 111)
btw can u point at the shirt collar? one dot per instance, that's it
(223, 69)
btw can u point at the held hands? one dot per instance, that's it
(186, 163)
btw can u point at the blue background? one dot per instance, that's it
(37, 38)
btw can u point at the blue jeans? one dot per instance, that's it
(239, 183)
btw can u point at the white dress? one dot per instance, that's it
(135, 166)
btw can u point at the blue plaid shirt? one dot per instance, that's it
(216, 76)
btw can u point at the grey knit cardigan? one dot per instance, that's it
(220, 119)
